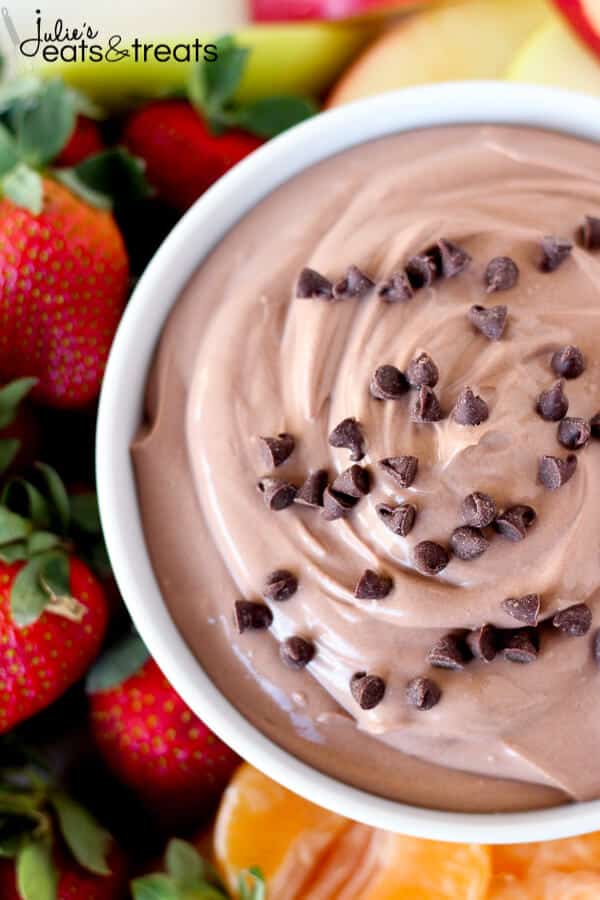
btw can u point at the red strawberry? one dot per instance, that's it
(186, 147)
(183, 158)
(63, 285)
(151, 740)
(74, 882)
(85, 140)
(40, 660)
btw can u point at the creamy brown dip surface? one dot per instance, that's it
(242, 356)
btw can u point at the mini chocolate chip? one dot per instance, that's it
(280, 585)
(422, 370)
(313, 286)
(430, 558)
(403, 469)
(396, 289)
(275, 450)
(575, 620)
(502, 274)
(372, 586)
(399, 519)
(590, 233)
(554, 472)
(388, 383)
(450, 652)
(595, 425)
(478, 510)
(354, 482)
(490, 321)
(421, 270)
(470, 408)
(426, 406)
(514, 522)
(552, 405)
(520, 646)
(555, 251)
(483, 643)
(569, 362)
(349, 434)
(367, 690)
(296, 652)
(452, 259)
(467, 542)
(526, 609)
(337, 505)
(596, 647)
(573, 433)
(355, 284)
(277, 494)
(251, 616)
(423, 693)
(311, 492)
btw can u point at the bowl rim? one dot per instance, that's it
(200, 229)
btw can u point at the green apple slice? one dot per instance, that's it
(289, 59)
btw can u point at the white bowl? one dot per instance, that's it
(121, 410)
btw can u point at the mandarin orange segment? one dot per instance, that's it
(414, 869)
(508, 887)
(567, 855)
(547, 886)
(261, 823)
(346, 867)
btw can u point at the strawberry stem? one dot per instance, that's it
(65, 606)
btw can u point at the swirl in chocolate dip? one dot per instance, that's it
(369, 472)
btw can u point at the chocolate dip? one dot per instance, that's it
(243, 357)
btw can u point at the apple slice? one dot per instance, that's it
(474, 39)
(289, 10)
(572, 65)
(584, 18)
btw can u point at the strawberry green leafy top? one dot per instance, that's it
(189, 877)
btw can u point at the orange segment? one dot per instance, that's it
(508, 887)
(548, 886)
(260, 823)
(414, 869)
(568, 855)
(346, 867)
(307, 853)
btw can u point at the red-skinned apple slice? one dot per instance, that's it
(584, 18)
(294, 10)
(445, 42)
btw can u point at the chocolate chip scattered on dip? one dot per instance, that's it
(366, 506)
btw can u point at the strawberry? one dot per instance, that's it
(52, 846)
(63, 285)
(41, 659)
(188, 875)
(188, 146)
(183, 158)
(53, 613)
(151, 740)
(86, 140)
(63, 265)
